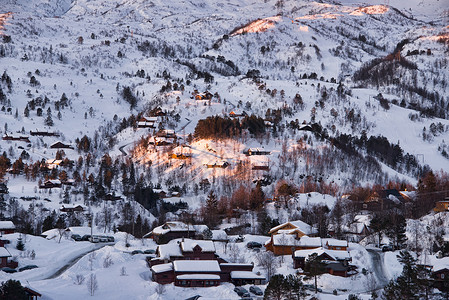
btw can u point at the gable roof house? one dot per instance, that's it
(383, 200)
(171, 230)
(285, 238)
(7, 227)
(60, 145)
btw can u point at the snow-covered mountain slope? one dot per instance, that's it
(90, 50)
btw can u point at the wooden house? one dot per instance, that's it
(256, 151)
(6, 259)
(112, 197)
(147, 122)
(237, 114)
(54, 183)
(286, 238)
(197, 250)
(204, 274)
(441, 206)
(72, 209)
(31, 293)
(60, 145)
(43, 133)
(325, 255)
(7, 227)
(163, 273)
(171, 230)
(440, 278)
(19, 138)
(203, 96)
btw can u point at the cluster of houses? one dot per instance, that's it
(6, 227)
(296, 238)
(179, 263)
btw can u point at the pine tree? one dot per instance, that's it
(49, 119)
(12, 290)
(276, 288)
(314, 267)
(396, 230)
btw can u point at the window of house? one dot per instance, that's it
(442, 276)
(365, 205)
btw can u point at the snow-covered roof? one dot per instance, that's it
(245, 275)
(335, 254)
(169, 250)
(207, 246)
(236, 264)
(196, 266)
(162, 268)
(172, 226)
(4, 252)
(308, 241)
(198, 277)
(336, 243)
(285, 240)
(219, 234)
(7, 225)
(302, 226)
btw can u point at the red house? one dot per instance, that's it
(7, 227)
(5, 259)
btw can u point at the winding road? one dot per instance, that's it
(75, 260)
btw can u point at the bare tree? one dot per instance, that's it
(160, 289)
(267, 261)
(92, 284)
(107, 262)
(91, 258)
(123, 271)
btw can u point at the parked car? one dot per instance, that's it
(242, 292)
(194, 297)
(103, 239)
(256, 290)
(86, 237)
(8, 270)
(251, 245)
(137, 252)
(111, 239)
(76, 237)
(28, 267)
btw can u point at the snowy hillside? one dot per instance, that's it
(157, 104)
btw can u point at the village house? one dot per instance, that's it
(7, 227)
(147, 122)
(6, 259)
(237, 114)
(325, 255)
(285, 238)
(19, 139)
(53, 183)
(54, 163)
(441, 206)
(31, 293)
(256, 151)
(43, 133)
(203, 96)
(358, 229)
(384, 200)
(174, 230)
(71, 209)
(191, 273)
(60, 145)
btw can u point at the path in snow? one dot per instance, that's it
(377, 258)
(75, 260)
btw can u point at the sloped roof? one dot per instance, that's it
(172, 226)
(162, 268)
(245, 275)
(198, 277)
(207, 246)
(196, 266)
(169, 250)
(337, 243)
(4, 252)
(308, 241)
(335, 254)
(302, 226)
(7, 225)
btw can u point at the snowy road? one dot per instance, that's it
(377, 258)
(75, 260)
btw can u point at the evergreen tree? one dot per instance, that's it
(378, 225)
(413, 282)
(49, 119)
(12, 290)
(314, 267)
(276, 288)
(396, 230)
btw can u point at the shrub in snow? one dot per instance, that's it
(123, 271)
(20, 245)
(160, 289)
(79, 279)
(107, 262)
